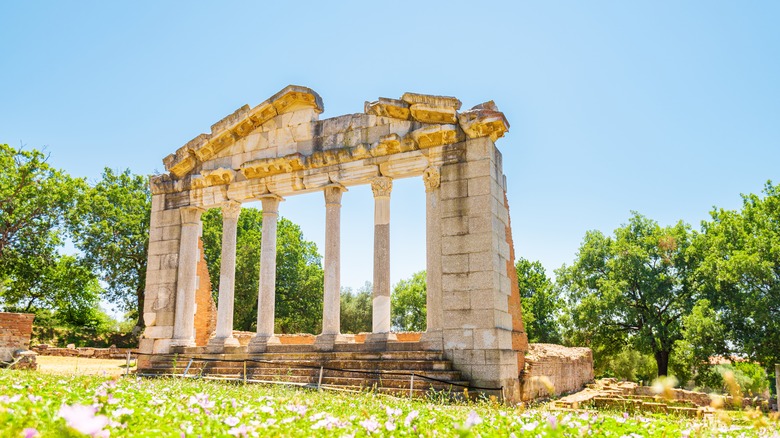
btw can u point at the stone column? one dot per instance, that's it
(227, 279)
(331, 306)
(266, 299)
(187, 278)
(432, 338)
(381, 186)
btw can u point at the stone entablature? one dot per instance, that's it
(280, 148)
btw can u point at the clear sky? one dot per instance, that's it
(668, 108)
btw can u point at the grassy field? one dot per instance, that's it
(38, 404)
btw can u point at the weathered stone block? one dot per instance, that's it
(458, 339)
(150, 318)
(455, 225)
(158, 332)
(456, 300)
(454, 189)
(164, 247)
(453, 264)
(161, 346)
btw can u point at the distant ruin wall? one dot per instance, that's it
(555, 368)
(205, 308)
(15, 331)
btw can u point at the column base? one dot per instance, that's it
(183, 342)
(432, 340)
(221, 345)
(326, 341)
(260, 343)
(378, 341)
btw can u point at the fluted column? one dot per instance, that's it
(381, 186)
(432, 338)
(266, 300)
(331, 306)
(187, 278)
(227, 280)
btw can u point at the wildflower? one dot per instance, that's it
(528, 427)
(119, 412)
(31, 432)
(392, 412)
(298, 409)
(472, 420)
(409, 418)
(242, 431)
(84, 420)
(389, 425)
(267, 409)
(231, 421)
(552, 420)
(34, 398)
(371, 425)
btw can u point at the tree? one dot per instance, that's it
(110, 225)
(631, 289)
(740, 272)
(540, 301)
(408, 304)
(299, 275)
(356, 309)
(703, 336)
(34, 277)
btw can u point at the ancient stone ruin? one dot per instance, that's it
(279, 149)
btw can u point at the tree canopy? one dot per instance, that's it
(408, 304)
(540, 302)
(633, 288)
(110, 225)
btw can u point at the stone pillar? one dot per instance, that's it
(187, 278)
(227, 279)
(266, 300)
(432, 338)
(777, 386)
(381, 186)
(331, 308)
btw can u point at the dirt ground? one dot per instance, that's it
(80, 365)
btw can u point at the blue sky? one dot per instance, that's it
(667, 108)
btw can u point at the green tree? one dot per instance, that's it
(703, 336)
(356, 309)
(408, 304)
(540, 301)
(110, 225)
(299, 275)
(631, 289)
(34, 277)
(740, 272)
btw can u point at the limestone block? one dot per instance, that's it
(483, 261)
(489, 375)
(385, 107)
(145, 345)
(483, 279)
(302, 132)
(472, 169)
(297, 117)
(482, 185)
(452, 264)
(158, 332)
(503, 320)
(487, 298)
(466, 244)
(468, 318)
(453, 282)
(401, 128)
(436, 135)
(295, 97)
(456, 300)
(431, 114)
(469, 357)
(458, 339)
(169, 261)
(165, 317)
(375, 133)
(161, 346)
(432, 100)
(454, 189)
(455, 225)
(149, 318)
(158, 202)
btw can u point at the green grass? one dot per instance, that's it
(173, 408)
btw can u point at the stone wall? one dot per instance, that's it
(90, 352)
(555, 368)
(15, 331)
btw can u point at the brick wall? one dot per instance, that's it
(519, 337)
(555, 367)
(15, 330)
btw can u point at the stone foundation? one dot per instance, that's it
(15, 331)
(90, 352)
(554, 370)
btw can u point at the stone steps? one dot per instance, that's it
(386, 371)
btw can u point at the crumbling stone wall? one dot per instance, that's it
(555, 368)
(15, 331)
(90, 352)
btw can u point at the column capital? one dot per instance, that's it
(333, 193)
(382, 186)
(431, 179)
(270, 202)
(190, 215)
(231, 210)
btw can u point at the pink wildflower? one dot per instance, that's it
(242, 431)
(371, 425)
(552, 420)
(231, 421)
(472, 420)
(84, 420)
(409, 418)
(389, 425)
(30, 432)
